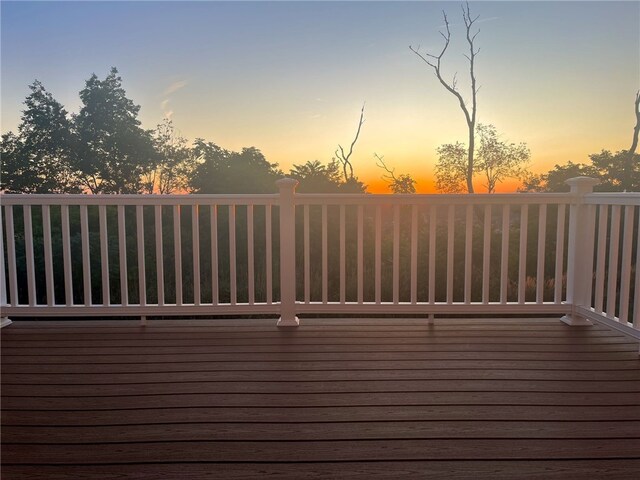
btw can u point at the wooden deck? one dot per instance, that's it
(498, 399)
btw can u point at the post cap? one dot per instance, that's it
(286, 182)
(582, 184)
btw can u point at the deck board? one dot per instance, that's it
(349, 398)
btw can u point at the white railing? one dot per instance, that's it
(163, 255)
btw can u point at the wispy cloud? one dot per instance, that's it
(167, 112)
(174, 87)
(488, 19)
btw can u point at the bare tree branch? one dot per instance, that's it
(636, 129)
(470, 115)
(398, 184)
(345, 158)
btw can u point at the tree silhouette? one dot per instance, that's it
(175, 161)
(223, 171)
(314, 177)
(497, 159)
(618, 171)
(434, 61)
(451, 168)
(114, 151)
(40, 158)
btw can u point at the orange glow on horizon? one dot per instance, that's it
(427, 185)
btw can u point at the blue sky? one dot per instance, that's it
(290, 77)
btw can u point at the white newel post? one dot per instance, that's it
(580, 250)
(4, 320)
(288, 317)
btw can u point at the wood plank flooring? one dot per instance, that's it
(365, 398)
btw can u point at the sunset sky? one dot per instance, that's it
(290, 78)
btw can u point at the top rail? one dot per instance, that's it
(151, 199)
(436, 199)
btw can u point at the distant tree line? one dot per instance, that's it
(104, 149)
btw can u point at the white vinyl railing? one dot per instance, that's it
(575, 254)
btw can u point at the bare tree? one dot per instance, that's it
(636, 129)
(344, 158)
(434, 61)
(403, 183)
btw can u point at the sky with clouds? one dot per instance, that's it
(290, 78)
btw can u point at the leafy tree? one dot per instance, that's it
(618, 171)
(114, 152)
(554, 180)
(175, 161)
(353, 185)
(40, 158)
(451, 168)
(314, 177)
(223, 171)
(497, 159)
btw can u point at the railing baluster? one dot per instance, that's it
(600, 258)
(343, 269)
(66, 255)
(3, 280)
(104, 255)
(432, 254)
(360, 254)
(396, 253)
(542, 233)
(195, 238)
(86, 266)
(590, 242)
(504, 258)
(159, 254)
(522, 253)
(48, 254)
(269, 259)
(325, 256)
(177, 249)
(559, 267)
(233, 277)
(28, 245)
(486, 254)
(215, 295)
(122, 253)
(250, 266)
(612, 277)
(625, 277)
(414, 254)
(307, 255)
(636, 294)
(468, 244)
(450, 251)
(11, 257)
(142, 274)
(378, 255)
